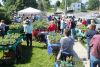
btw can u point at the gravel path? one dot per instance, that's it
(81, 53)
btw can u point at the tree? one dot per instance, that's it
(7, 3)
(73, 1)
(67, 3)
(47, 4)
(40, 5)
(0, 4)
(43, 5)
(3, 16)
(15, 5)
(9, 6)
(19, 4)
(93, 4)
(58, 3)
(30, 3)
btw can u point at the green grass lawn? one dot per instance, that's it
(36, 56)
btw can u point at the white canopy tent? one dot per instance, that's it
(29, 11)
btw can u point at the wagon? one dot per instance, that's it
(71, 61)
(10, 51)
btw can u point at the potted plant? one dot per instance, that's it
(38, 27)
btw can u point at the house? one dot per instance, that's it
(78, 6)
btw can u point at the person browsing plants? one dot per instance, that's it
(67, 43)
(95, 50)
(28, 32)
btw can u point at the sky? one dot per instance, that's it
(54, 1)
(1, 1)
(84, 1)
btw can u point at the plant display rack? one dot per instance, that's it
(9, 45)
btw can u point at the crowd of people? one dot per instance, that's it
(19, 19)
(61, 23)
(67, 27)
(93, 46)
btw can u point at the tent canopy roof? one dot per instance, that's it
(29, 10)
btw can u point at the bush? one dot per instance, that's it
(15, 26)
(55, 39)
(4, 16)
(9, 39)
(40, 25)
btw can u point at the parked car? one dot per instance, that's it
(58, 13)
(69, 16)
(97, 22)
(70, 11)
(96, 14)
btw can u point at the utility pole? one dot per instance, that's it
(65, 6)
(99, 6)
(43, 3)
(55, 8)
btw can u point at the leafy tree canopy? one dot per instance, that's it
(58, 3)
(93, 4)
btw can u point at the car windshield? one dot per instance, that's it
(69, 16)
(97, 21)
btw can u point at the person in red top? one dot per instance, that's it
(52, 28)
(95, 51)
(84, 22)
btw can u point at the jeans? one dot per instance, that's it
(88, 48)
(2, 33)
(73, 33)
(94, 61)
(64, 55)
(62, 30)
(29, 39)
